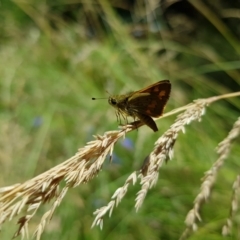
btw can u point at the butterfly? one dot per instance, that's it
(143, 104)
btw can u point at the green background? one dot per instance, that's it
(54, 57)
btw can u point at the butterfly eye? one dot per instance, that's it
(113, 101)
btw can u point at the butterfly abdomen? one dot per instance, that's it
(148, 121)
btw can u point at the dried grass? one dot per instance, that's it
(28, 197)
(208, 181)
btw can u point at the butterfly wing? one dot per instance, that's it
(151, 100)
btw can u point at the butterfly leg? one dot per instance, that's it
(136, 122)
(118, 117)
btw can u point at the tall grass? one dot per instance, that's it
(51, 67)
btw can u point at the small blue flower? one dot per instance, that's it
(37, 122)
(127, 143)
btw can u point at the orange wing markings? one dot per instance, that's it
(153, 104)
(156, 89)
(162, 94)
(148, 112)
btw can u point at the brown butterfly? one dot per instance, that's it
(143, 104)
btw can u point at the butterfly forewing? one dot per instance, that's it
(150, 100)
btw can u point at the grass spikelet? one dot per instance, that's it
(208, 181)
(27, 198)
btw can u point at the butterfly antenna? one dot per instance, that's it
(102, 98)
(98, 98)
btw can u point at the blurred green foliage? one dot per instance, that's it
(55, 56)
